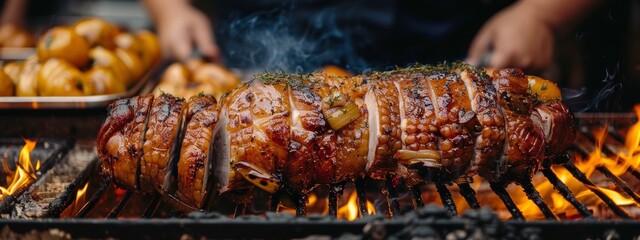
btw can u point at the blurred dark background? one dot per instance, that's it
(598, 65)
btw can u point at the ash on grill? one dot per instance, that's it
(38, 201)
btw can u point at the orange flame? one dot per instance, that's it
(25, 171)
(80, 197)
(314, 205)
(618, 164)
(350, 210)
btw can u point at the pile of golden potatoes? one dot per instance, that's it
(12, 36)
(194, 77)
(91, 57)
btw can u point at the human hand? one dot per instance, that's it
(183, 29)
(515, 37)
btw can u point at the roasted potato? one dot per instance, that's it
(150, 48)
(63, 43)
(103, 81)
(132, 62)
(27, 80)
(6, 85)
(59, 78)
(97, 32)
(217, 76)
(107, 58)
(13, 70)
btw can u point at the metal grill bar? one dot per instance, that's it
(333, 201)
(392, 197)
(593, 188)
(6, 204)
(447, 200)
(566, 193)
(115, 212)
(498, 188)
(619, 183)
(275, 201)
(301, 205)
(89, 205)
(361, 196)
(151, 207)
(469, 195)
(607, 151)
(534, 195)
(71, 192)
(240, 208)
(416, 195)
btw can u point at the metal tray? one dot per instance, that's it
(145, 85)
(16, 53)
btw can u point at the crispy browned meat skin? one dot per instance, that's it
(523, 150)
(488, 124)
(558, 127)
(419, 131)
(259, 129)
(347, 148)
(305, 168)
(451, 101)
(472, 119)
(200, 119)
(161, 140)
(120, 139)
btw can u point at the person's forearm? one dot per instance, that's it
(561, 15)
(13, 12)
(159, 9)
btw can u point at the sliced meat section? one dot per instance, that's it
(161, 143)
(258, 135)
(304, 168)
(524, 145)
(558, 126)
(488, 125)
(418, 123)
(383, 105)
(201, 119)
(119, 142)
(453, 109)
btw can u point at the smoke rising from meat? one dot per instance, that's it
(606, 99)
(272, 41)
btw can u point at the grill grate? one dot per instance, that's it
(390, 191)
(152, 205)
(445, 195)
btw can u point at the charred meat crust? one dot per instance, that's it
(161, 143)
(120, 140)
(201, 118)
(276, 126)
(524, 143)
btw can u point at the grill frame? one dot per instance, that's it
(297, 228)
(289, 227)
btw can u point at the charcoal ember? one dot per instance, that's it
(612, 234)
(457, 235)
(375, 230)
(415, 231)
(319, 218)
(483, 219)
(274, 216)
(251, 218)
(370, 218)
(533, 233)
(429, 212)
(53, 233)
(349, 236)
(202, 215)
